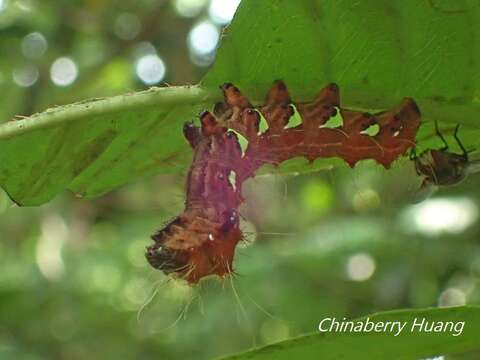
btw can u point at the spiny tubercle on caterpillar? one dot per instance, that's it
(202, 240)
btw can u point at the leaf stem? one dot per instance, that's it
(174, 95)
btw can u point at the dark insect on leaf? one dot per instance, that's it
(440, 167)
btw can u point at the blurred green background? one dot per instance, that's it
(74, 283)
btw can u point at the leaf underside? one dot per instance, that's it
(377, 51)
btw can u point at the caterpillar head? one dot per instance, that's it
(192, 247)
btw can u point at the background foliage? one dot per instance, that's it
(74, 283)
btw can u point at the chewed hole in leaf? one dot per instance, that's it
(263, 126)
(295, 119)
(241, 140)
(334, 121)
(232, 178)
(372, 130)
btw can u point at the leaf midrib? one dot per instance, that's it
(55, 116)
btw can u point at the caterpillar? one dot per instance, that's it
(202, 240)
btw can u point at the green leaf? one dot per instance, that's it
(381, 345)
(94, 146)
(377, 51)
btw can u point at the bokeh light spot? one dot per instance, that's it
(452, 297)
(435, 216)
(222, 11)
(365, 199)
(189, 8)
(203, 38)
(34, 45)
(54, 233)
(360, 267)
(63, 71)
(317, 196)
(25, 76)
(150, 69)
